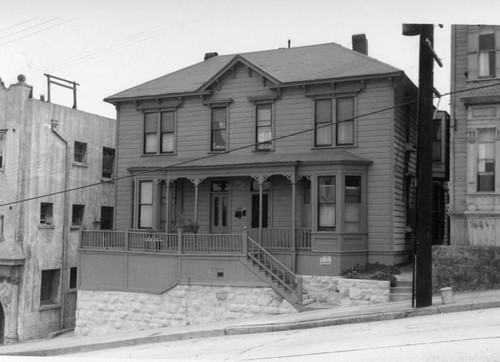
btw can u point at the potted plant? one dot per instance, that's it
(186, 225)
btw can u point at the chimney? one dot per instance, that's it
(210, 55)
(360, 43)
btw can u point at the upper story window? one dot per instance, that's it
(77, 214)
(2, 149)
(486, 160)
(80, 152)
(46, 210)
(159, 132)
(218, 139)
(264, 124)
(108, 158)
(338, 112)
(487, 55)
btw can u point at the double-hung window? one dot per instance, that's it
(334, 122)
(108, 157)
(145, 204)
(487, 55)
(159, 132)
(352, 199)
(326, 203)
(264, 121)
(486, 160)
(219, 129)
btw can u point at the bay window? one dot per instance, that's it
(326, 203)
(352, 199)
(486, 160)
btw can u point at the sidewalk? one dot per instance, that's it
(68, 343)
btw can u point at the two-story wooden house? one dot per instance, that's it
(475, 135)
(304, 154)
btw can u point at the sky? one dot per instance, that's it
(107, 46)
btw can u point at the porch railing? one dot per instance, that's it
(281, 238)
(162, 242)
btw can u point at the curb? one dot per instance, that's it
(264, 328)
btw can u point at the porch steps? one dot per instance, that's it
(402, 291)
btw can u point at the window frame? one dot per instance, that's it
(491, 56)
(226, 127)
(108, 173)
(77, 215)
(260, 146)
(492, 160)
(333, 136)
(73, 278)
(159, 132)
(49, 286)
(80, 152)
(104, 221)
(140, 204)
(46, 218)
(335, 203)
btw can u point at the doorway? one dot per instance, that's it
(219, 207)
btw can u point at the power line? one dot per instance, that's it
(202, 157)
(235, 149)
(37, 32)
(18, 24)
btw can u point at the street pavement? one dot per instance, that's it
(69, 344)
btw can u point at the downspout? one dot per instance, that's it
(53, 126)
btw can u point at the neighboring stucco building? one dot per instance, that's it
(475, 135)
(307, 153)
(47, 149)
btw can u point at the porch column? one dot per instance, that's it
(167, 204)
(196, 181)
(260, 179)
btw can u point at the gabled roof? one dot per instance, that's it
(283, 66)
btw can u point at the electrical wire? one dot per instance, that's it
(235, 149)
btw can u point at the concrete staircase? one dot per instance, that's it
(402, 290)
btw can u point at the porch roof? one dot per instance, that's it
(255, 159)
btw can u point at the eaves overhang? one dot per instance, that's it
(157, 97)
(336, 80)
(480, 100)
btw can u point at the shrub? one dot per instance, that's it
(373, 271)
(465, 268)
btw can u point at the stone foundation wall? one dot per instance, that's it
(101, 312)
(341, 292)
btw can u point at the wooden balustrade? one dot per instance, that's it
(212, 243)
(281, 238)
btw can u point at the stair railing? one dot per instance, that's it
(284, 276)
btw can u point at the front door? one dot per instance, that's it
(219, 213)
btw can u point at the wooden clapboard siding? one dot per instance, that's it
(400, 167)
(374, 143)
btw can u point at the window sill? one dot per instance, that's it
(159, 154)
(49, 306)
(46, 226)
(72, 290)
(106, 180)
(217, 152)
(332, 147)
(80, 164)
(75, 227)
(263, 151)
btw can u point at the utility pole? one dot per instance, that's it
(423, 245)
